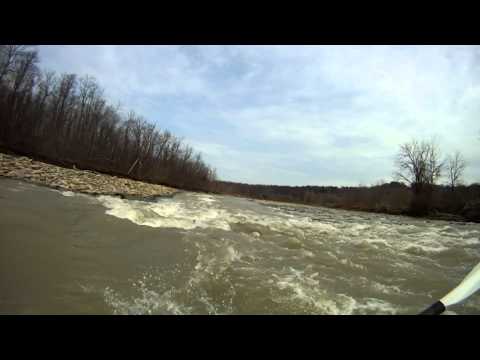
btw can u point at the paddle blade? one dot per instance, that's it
(467, 287)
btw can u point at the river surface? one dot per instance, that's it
(66, 253)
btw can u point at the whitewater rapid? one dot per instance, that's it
(68, 253)
(304, 259)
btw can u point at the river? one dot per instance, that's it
(67, 253)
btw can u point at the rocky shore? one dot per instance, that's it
(83, 181)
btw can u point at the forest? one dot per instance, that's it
(66, 120)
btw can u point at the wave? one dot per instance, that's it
(315, 261)
(164, 213)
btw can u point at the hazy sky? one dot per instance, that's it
(295, 115)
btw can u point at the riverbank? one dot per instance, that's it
(431, 216)
(76, 180)
(385, 211)
(95, 183)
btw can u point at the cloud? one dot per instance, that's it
(324, 115)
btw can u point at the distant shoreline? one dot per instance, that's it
(441, 217)
(78, 180)
(95, 183)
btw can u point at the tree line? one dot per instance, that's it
(66, 119)
(416, 191)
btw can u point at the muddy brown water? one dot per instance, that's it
(66, 253)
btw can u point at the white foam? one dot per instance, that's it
(147, 302)
(87, 288)
(469, 233)
(376, 306)
(300, 226)
(331, 254)
(307, 253)
(305, 291)
(165, 213)
(422, 249)
(206, 198)
(358, 229)
(472, 241)
(375, 241)
(202, 214)
(388, 289)
(232, 254)
(351, 264)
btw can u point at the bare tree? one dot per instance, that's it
(18, 73)
(418, 164)
(455, 167)
(8, 56)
